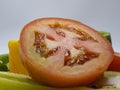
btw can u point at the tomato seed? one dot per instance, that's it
(81, 58)
(59, 32)
(67, 56)
(39, 43)
(53, 51)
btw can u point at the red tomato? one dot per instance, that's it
(64, 53)
(115, 65)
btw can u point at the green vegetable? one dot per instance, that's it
(11, 81)
(107, 35)
(4, 59)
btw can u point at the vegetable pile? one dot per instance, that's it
(58, 53)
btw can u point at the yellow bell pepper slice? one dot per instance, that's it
(15, 61)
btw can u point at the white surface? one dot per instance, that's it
(99, 14)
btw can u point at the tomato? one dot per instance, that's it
(63, 52)
(115, 65)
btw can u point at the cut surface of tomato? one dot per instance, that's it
(63, 52)
(115, 65)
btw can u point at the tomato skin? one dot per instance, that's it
(47, 78)
(48, 72)
(115, 65)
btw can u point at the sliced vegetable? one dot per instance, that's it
(4, 59)
(115, 65)
(12, 81)
(4, 62)
(15, 62)
(62, 53)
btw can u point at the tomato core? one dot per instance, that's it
(59, 29)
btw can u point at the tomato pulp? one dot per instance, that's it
(63, 52)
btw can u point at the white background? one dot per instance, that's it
(99, 14)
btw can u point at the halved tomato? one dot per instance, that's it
(115, 65)
(63, 52)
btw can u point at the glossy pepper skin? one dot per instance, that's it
(15, 61)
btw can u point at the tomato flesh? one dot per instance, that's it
(64, 53)
(68, 60)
